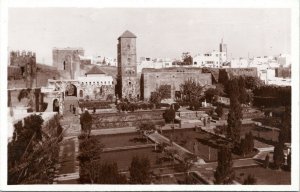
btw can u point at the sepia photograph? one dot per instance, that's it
(160, 96)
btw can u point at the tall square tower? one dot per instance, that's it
(127, 84)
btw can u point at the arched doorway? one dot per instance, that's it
(71, 90)
(55, 105)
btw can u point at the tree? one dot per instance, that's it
(252, 82)
(140, 170)
(247, 144)
(219, 111)
(212, 93)
(106, 173)
(164, 91)
(278, 156)
(267, 161)
(155, 98)
(86, 121)
(224, 173)
(191, 90)
(285, 131)
(235, 113)
(187, 59)
(243, 95)
(145, 128)
(169, 115)
(90, 149)
(250, 180)
(32, 155)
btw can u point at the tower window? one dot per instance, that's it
(129, 83)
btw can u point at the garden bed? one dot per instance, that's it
(207, 144)
(264, 176)
(122, 140)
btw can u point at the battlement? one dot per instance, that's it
(22, 54)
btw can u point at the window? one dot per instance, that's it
(195, 63)
(105, 82)
(90, 83)
(129, 83)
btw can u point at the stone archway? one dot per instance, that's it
(55, 105)
(71, 90)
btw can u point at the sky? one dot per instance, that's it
(161, 32)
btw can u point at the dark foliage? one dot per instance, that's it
(250, 180)
(224, 173)
(169, 115)
(235, 113)
(278, 157)
(267, 161)
(86, 122)
(140, 170)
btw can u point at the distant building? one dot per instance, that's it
(156, 63)
(152, 78)
(214, 59)
(239, 63)
(67, 60)
(284, 60)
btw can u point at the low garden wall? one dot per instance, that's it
(126, 119)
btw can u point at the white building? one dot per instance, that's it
(156, 63)
(239, 63)
(214, 59)
(96, 77)
(284, 60)
(104, 61)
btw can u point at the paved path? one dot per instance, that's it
(69, 166)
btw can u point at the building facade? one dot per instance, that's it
(67, 60)
(214, 59)
(22, 66)
(127, 82)
(173, 77)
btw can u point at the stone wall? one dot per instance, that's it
(130, 119)
(153, 78)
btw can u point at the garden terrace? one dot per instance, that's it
(264, 176)
(95, 104)
(269, 121)
(206, 144)
(121, 140)
(123, 119)
(124, 158)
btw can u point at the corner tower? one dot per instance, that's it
(127, 77)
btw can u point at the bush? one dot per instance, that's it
(176, 106)
(169, 115)
(250, 180)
